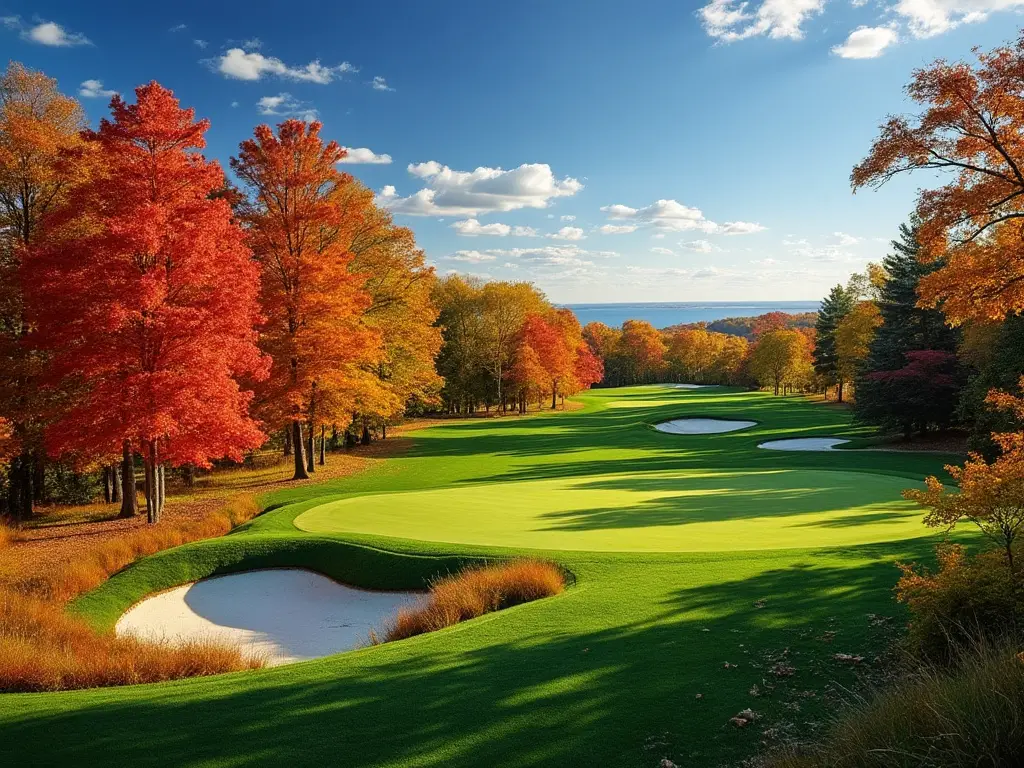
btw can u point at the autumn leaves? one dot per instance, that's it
(162, 312)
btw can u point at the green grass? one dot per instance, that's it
(689, 552)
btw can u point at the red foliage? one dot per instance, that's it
(931, 366)
(146, 295)
(589, 368)
(771, 321)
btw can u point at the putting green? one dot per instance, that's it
(677, 511)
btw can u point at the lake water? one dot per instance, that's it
(664, 314)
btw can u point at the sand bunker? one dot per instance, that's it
(804, 444)
(690, 386)
(701, 426)
(286, 615)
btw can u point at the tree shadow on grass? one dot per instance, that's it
(527, 688)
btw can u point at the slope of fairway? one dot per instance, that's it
(683, 511)
(645, 657)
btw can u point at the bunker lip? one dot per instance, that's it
(283, 614)
(804, 444)
(699, 426)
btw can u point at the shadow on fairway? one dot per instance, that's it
(547, 697)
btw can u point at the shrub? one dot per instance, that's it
(970, 717)
(42, 648)
(95, 566)
(967, 599)
(477, 591)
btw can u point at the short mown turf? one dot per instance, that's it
(712, 576)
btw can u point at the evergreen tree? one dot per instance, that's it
(834, 308)
(905, 328)
(1001, 369)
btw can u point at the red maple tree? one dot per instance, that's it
(147, 298)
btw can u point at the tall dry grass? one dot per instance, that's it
(42, 648)
(475, 592)
(7, 535)
(96, 565)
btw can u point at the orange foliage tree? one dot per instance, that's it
(971, 129)
(148, 305)
(313, 304)
(38, 126)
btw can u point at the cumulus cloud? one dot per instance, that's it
(663, 251)
(844, 239)
(284, 104)
(178, 28)
(866, 43)
(472, 257)
(93, 89)
(473, 228)
(380, 84)
(200, 43)
(241, 64)
(469, 193)
(364, 156)
(731, 20)
(673, 216)
(568, 218)
(927, 18)
(568, 233)
(44, 32)
(699, 246)
(617, 229)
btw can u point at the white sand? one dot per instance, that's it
(804, 444)
(285, 615)
(690, 386)
(701, 426)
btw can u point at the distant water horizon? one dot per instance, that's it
(662, 314)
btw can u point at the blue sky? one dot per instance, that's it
(606, 151)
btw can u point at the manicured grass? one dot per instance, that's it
(607, 673)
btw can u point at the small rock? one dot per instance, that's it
(739, 722)
(755, 691)
(848, 658)
(666, 763)
(699, 696)
(727, 665)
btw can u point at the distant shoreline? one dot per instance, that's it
(662, 314)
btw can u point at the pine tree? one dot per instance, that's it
(905, 328)
(836, 306)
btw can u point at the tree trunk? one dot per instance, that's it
(108, 486)
(147, 487)
(129, 495)
(38, 476)
(366, 434)
(288, 442)
(323, 444)
(554, 393)
(300, 463)
(188, 476)
(384, 431)
(115, 481)
(20, 505)
(839, 396)
(311, 449)
(161, 489)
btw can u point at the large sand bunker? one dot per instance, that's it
(690, 386)
(804, 444)
(285, 615)
(701, 426)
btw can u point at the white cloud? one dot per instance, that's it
(200, 43)
(845, 239)
(470, 193)
(380, 84)
(473, 228)
(568, 218)
(252, 44)
(663, 251)
(764, 262)
(568, 233)
(707, 272)
(285, 104)
(93, 89)
(472, 257)
(510, 265)
(234, 103)
(617, 229)
(927, 18)
(738, 228)
(240, 64)
(866, 43)
(364, 156)
(525, 232)
(44, 32)
(699, 246)
(178, 28)
(731, 20)
(673, 216)
(789, 241)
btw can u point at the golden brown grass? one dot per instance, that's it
(94, 566)
(475, 592)
(7, 535)
(42, 648)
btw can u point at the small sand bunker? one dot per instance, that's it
(285, 615)
(690, 386)
(701, 426)
(804, 444)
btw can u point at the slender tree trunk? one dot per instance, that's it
(108, 486)
(189, 476)
(323, 444)
(129, 495)
(147, 487)
(839, 396)
(311, 448)
(300, 463)
(115, 478)
(366, 434)
(161, 490)
(554, 392)
(384, 431)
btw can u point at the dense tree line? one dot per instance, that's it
(152, 312)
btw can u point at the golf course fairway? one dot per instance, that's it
(710, 576)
